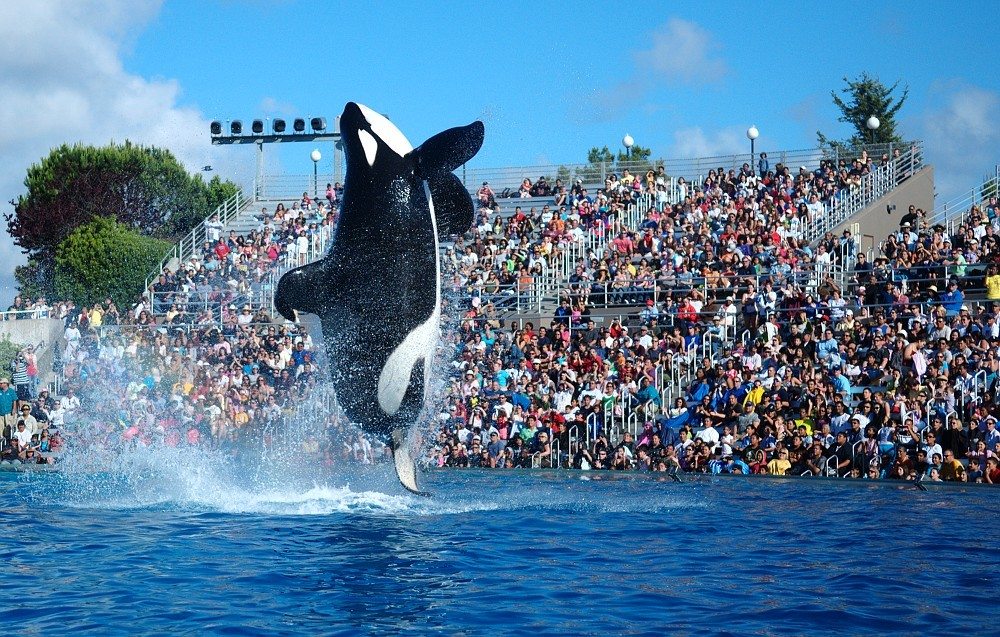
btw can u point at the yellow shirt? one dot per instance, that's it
(754, 396)
(778, 466)
(993, 287)
(808, 423)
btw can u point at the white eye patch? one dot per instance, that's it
(386, 131)
(369, 144)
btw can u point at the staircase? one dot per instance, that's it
(874, 185)
(185, 248)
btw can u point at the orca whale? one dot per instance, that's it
(377, 291)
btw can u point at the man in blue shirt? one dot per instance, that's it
(840, 383)
(952, 299)
(828, 350)
(8, 399)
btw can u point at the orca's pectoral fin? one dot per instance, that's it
(402, 458)
(448, 150)
(300, 290)
(452, 206)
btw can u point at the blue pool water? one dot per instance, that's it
(181, 548)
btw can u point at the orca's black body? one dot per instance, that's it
(377, 292)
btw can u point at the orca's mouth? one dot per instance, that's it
(282, 298)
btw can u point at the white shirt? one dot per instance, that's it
(710, 435)
(23, 437)
(57, 416)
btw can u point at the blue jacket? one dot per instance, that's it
(952, 301)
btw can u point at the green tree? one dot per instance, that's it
(864, 97)
(636, 160)
(989, 188)
(563, 173)
(8, 350)
(145, 188)
(104, 258)
(219, 192)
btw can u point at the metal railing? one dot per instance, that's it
(260, 292)
(286, 188)
(874, 185)
(692, 169)
(23, 315)
(184, 248)
(954, 211)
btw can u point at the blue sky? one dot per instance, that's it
(550, 80)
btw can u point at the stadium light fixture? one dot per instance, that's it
(274, 131)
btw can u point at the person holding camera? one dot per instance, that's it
(22, 382)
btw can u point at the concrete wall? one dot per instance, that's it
(32, 332)
(875, 224)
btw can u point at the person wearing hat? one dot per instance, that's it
(8, 407)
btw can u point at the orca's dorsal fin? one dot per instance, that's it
(446, 151)
(452, 206)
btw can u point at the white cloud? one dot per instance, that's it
(694, 142)
(271, 106)
(961, 133)
(63, 81)
(679, 53)
(682, 51)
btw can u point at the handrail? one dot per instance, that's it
(23, 315)
(957, 208)
(873, 185)
(692, 169)
(186, 246)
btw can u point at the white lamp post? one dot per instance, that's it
(752, 135)
(628, 142)
(316, 156)
(872, 125)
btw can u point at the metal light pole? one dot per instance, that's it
(628, 142)
(316, 156)
(752, 135)
(872, 125)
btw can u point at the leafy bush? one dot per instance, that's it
(104, 258)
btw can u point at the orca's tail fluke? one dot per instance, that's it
(406, 470)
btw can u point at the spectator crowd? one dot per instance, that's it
(740, 346)
(189, 368)
(747, 350)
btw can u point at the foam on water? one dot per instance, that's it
(199, 481)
